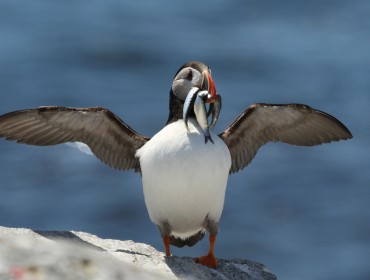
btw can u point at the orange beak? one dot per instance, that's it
(209, 85)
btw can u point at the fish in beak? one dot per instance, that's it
(215, 109)
(214, 100)
(196, 101)
(201, 114)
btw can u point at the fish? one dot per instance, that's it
(215, 109)
(201, 114)
(189, 105)
(196, 101)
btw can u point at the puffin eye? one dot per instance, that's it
(189, 76)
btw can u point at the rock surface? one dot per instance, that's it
(30, 254)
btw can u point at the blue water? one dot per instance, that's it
(304, 212)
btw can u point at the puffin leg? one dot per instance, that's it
(165, 231)
(166, 242)
(210, 259)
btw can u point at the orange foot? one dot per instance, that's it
(209, 260)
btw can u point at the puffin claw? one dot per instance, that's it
(208, 260)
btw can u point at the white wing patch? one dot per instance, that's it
(81, 146)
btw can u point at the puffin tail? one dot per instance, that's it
(191, 241)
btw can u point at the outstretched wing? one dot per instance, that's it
(294, 124)
(108, 137)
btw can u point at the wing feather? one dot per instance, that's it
(294, 124)
(108, 137)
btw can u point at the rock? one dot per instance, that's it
(31, 254)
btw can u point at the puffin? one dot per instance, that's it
(186, 165)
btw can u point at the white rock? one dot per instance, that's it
(27, 254)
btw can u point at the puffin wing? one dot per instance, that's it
(294, 124)
(108, 137)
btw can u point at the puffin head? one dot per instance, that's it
(191, 74)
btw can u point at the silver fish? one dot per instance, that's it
(215, 109)
(196, 100)
(189, 105)
(201, 114)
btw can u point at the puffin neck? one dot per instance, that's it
(175, 107)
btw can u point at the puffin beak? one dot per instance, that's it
(209, 85)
